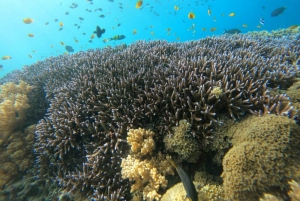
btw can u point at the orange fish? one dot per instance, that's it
(31, 35)
(191, 15)
(61, 24)
(139, 4)
(28, 20)
(213, 29)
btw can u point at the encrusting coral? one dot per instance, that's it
(182, 143)
(265, 154)
(148, 175)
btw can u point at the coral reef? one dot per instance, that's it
(148, 174)
(95, 96)
(205, 193)
(294, 92)
(13, 104)
(182, 143)
(264, 155)
(16, 155)
(141, 142)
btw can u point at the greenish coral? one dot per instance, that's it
(185, 146)
(264, 155)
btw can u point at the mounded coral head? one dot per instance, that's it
(182, 143)
(264, 154)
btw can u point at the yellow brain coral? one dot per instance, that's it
(264, 154)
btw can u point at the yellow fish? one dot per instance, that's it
(231, 14)
(258, 26)
(203, 29)
(191, 15)
(31, 35)
(134, 31)
(61, 24)
(92, 36)
(139, 4)
(209, 12)
(245, 25)
(293, 27)
(62, 43)
(28, 20)
(213, 29)
(6, 57)
(176, 8)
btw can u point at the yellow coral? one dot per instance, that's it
(151, 172)
(141, 141)
(294, 193)
(181, 143)
(265, 150)
(217, 92)
(13, 104)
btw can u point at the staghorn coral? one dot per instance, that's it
(16, 155)
(13, 105)
(182, 143)
(263, 156)
(95, 96)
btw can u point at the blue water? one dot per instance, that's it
(151, 22)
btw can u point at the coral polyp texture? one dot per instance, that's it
(97, 95)
(264, 156)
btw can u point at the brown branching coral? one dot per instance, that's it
(95, 96)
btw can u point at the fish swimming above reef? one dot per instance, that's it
(99, 31)
(186, 181)
(69, 48)
(116, 37)
(1, 66)
(278, 11)
(6, 57)
(28, 20)
(232, 31)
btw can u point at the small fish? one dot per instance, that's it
(6, 57)
(139, 4)
(213, 29)
(28, 20)
(209, 11)
(31, 35)
(231, 14)
(29, 55)
(69, 48)
(99, 31)
(176, 8)
(203, 29)
(76, 40)
(46, 23)
(134, 31)
(186, 181)
(178, 38)
(60, 29)
(80, 18)
(92, 36)
(90, 41)
(191, 15)
(102, 16)
(1, 66)
(67, 13)
(245, 25)
(118, 37)
(278, 11)
(263, 7)
(62, 43)
(105, 40)
(56, 20)
(119, 24)
(258, 26)
(61, 24)
(262, 21)
(232, 31)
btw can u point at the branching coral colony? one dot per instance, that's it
(97, 95)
